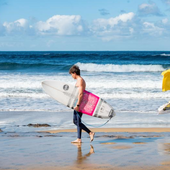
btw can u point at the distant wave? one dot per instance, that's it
(13, 65)
(165, 54)
(90, 67)
(17, 66)
(119, 68)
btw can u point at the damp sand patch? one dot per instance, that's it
(121, 147)
(139, 143)
(108, 143)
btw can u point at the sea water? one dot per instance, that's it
(130, 81)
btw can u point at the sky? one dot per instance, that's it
(84, 25)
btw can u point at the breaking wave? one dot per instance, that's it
(90, 67)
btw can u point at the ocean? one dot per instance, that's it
(130, 81)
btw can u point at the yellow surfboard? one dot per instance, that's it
(165, 86)
(166, 80)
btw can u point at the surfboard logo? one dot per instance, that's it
(66, 87)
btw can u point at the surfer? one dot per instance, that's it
(81, 84)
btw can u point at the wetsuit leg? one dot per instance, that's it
(77, 121)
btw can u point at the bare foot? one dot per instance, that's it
(77, 141)
(91, 136)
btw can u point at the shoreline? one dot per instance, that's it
(128, 130)
(62, 120)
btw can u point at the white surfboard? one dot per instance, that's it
(67, 94)
(164, 108)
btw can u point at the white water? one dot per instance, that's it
(134, 91)
(119, 68)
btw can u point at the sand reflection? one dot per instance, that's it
(80, 157)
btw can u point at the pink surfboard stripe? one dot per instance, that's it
(89, 103)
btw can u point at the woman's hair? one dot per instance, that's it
(75, 69)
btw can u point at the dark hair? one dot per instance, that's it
(75, 69)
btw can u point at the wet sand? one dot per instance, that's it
(116, 130)
(118, 149)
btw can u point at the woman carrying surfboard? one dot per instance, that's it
(81, 84)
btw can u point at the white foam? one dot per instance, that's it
(31, 110)
(125, 84)
(134, 95)
(23, 95)
(119, 68)
(113, 95)
(98, 82)
(24, 92)
(165, 54)
(29, 81)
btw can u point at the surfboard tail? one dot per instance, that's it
(111, 113)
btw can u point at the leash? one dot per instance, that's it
(93, 125)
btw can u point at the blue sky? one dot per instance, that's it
(76, 25)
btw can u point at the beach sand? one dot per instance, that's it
(112, 148)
